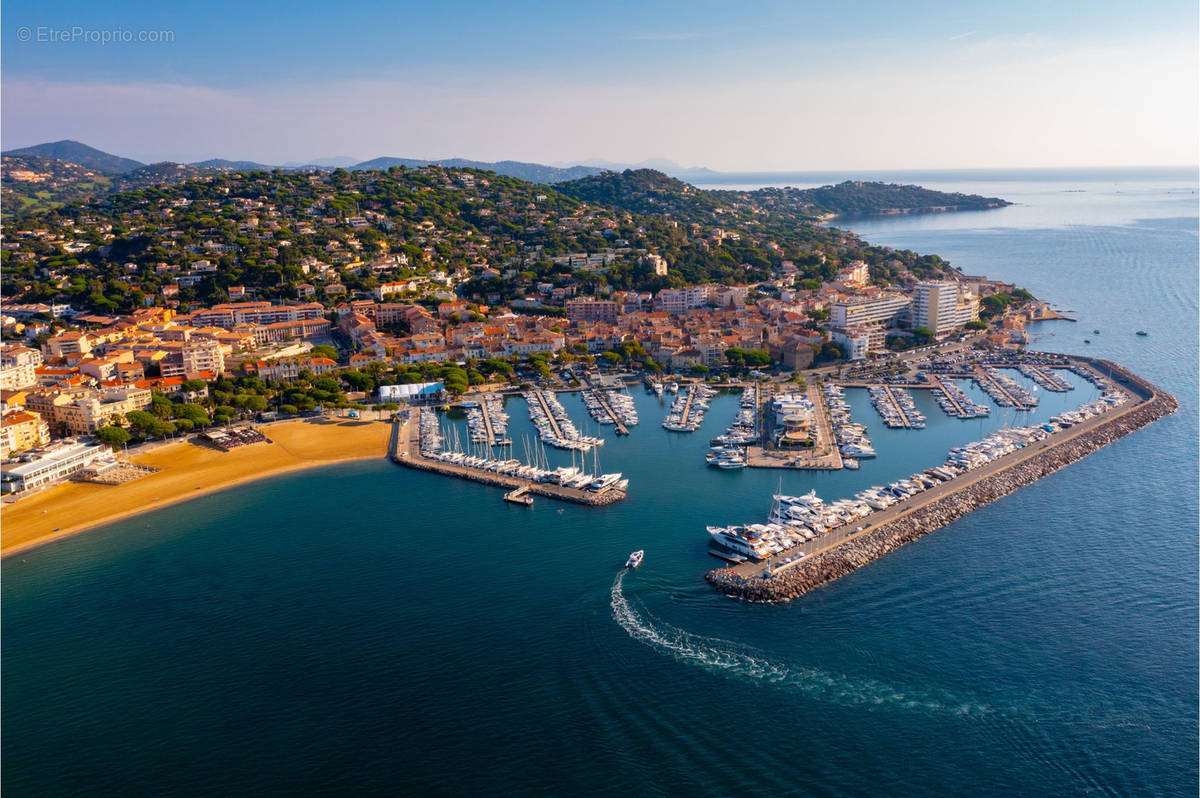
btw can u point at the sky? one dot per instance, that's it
(740, 87)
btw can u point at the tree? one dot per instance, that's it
(193, 413)
(324, 350)
(699, 368)
(193, 386)
(922, 335)
(113, 436)
(976, 325)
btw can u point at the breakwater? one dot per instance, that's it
(1025, 468)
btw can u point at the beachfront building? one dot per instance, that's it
(21, 430)
(943, 307)
(51, 464)
(18, 367)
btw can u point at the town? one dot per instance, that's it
(401, 299)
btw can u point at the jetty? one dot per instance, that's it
(843, 551)
(541, 398)
(602, 398)
(895, 403)
(519, 496)
(984, 379)
(949, 394)
(687, 407)
(404, 448)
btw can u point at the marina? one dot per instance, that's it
(416, 442)
(955, 402)
(804, 534)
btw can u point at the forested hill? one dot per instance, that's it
(649, 191)
(271, 232)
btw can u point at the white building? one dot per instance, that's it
(18, 367)
(885, 309)
(858, 341)
(52, 464)
(943, 306)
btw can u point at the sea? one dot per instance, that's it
(363, 629)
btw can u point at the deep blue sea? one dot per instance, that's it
(368, 630)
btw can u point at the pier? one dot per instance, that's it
(487, 421)
(602, 398)
(549, 416)
(859, 543)
(687, 407)
(958, 409)
(908, 422)
(981, 376)
(404, 449)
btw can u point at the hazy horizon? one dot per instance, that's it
(773, 88)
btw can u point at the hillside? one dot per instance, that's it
(495, 238)
(31, 183)
(651, 191)
(77, 153)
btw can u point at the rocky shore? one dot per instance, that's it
(857, 552)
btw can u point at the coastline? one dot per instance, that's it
(187, 471)
(923, 518)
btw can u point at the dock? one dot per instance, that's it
(937, 383)
(981, 375)
(602, 398)
(687, 407)
(519, 496)
(404, 448)
(487, 421)
(887, 389)
(549, 416)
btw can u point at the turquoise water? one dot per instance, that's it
(370, 630)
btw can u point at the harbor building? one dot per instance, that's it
(943, 307)
(792, 416)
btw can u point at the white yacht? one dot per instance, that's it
(635, 559)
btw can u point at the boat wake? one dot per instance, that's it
(733, 660)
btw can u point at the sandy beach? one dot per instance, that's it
(187, 470)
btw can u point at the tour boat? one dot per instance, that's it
(635, 559)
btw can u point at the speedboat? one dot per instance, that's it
(635, 559)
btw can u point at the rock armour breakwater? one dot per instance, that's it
(828, 565)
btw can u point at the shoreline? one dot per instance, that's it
(296, 446)
(915, 522)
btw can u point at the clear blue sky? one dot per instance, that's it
(735, 86)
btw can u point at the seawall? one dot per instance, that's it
(862, 549)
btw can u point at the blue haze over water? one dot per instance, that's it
(366, 629)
